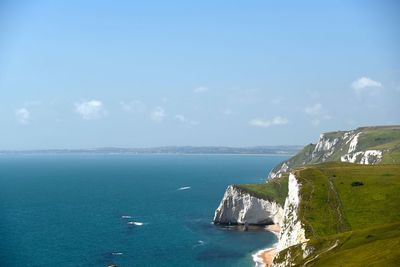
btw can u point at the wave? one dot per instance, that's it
(184, 188)
(126, 217)
(258, 258)
(117, 253)
(199, 243)
(136, 223)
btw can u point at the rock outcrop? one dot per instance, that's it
(368, 145)
(356, 146)
(292, 231)
(238, 207)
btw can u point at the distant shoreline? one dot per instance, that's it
(147, 154)
(185, 150)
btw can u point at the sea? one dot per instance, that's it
(124, 209)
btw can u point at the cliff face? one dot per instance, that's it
(368, 145)
(238, 207)
(292, 231)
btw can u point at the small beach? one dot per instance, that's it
(264, 258)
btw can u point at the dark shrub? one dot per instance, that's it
(357, 183)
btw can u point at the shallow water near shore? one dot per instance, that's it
(130, 210)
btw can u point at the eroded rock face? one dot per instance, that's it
(363, 157)
(292, 231)
(334, 146)
(238, 207)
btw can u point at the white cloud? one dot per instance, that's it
(279, 121)
(365, 84)
(200, 89)
(158, 114)
(183, 119)
(257, 122)
(23, 115)
(90, 110)
(314, 109)
(133, 106)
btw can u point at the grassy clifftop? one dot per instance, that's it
(365, 145)
(274, 190)
(349, 210)
(349, 198)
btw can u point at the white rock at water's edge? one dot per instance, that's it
(238, 207)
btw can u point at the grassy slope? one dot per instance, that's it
(376, 246)
(386, 138)
(360, 218)
(365, 220)
(378, 196)
(274, 190)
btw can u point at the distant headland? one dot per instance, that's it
(256, 150)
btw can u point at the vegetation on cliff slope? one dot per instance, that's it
(382, 138)
(350, 212)
(349, 225)
(274, 190)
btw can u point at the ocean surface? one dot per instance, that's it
(130, 210)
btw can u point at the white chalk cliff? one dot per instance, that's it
(292, 231)
(335, 146)
(238, 207)
(359, 146)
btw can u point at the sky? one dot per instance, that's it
(85, 74)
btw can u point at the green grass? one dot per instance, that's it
(375, 246)
(330, 204)
(319, 204)
(274, 190)
(379, 196)
(379, 138)
(303, 156)
(384, 138)
(364, 220)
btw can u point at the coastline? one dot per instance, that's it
(264, 257)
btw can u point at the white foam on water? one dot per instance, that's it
(199, 243)
(136, 223)
(126, 217)
(117, 253)
(184, 188)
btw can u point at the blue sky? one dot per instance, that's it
(81, 74)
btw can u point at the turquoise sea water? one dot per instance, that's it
(66, 210)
